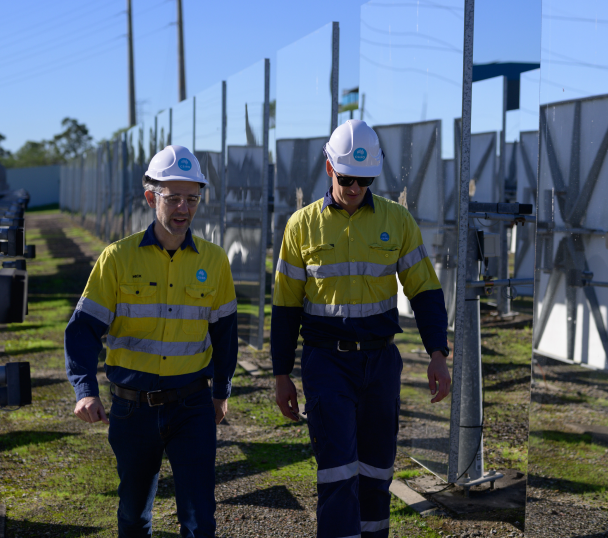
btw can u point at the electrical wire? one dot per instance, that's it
(412, 34)
(44, 48)
(483, 413)
(404, 46)
(411, 69)
(61, 66)
(24, 34)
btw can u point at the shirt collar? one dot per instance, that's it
(150, 239)
(328, 200)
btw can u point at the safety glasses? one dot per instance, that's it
(347, 181)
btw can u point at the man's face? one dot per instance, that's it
(349, 198)
(174, 219)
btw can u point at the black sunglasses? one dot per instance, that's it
(347, 181)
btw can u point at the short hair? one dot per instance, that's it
(156, 186)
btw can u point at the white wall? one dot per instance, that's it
(41, 182)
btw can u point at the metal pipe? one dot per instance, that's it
(502, 282)
(596, 284)
(181, 68)
(470, 447)
(462, 214)
(501, 216)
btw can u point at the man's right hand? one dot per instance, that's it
(287, 397)
(90, 409)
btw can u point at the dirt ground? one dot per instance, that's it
(57, 474)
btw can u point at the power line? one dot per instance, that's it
(61, 66)
(43, 48)
(412, 70)
(403, 46)
(431, 5)
(412, 34)
(52, 27)
(575, 19)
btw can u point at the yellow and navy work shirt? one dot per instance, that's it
(337, 277)
(166, 317)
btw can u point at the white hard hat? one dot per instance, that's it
(354, 150)
(175, 163)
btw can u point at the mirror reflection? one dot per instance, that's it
(568, 418)
(410, 92)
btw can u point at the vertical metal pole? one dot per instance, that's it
(170, 127)
(193, 123)
(223, 168)
(132, 115)
(470, 446)
(155, 137)
(463, 226)
(504, 305)
(181, 75)
(335, 73)
(264, 203)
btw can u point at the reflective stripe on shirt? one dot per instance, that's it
(94, 309)
(350, 310)
(154, 347)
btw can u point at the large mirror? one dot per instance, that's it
(410, 92)
(245, 238)
(568, 455)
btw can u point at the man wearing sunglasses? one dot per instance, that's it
(337, 280)
(167, 302)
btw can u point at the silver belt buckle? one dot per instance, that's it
(347, 350)
(150, 401)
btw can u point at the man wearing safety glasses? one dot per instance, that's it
(337, 280)
(167, 302)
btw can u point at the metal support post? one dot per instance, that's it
(181, 75)
(132, 118)
(335, 74)
(504, 303)
(462, 211)
(193, 123)
(470, 450)
(223, 168)
(264, 203)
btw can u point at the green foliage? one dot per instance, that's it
(72, 141)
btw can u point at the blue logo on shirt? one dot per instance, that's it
(360, 154)
(184, 164)
(201, 275)
(384, 236)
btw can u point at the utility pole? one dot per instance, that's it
(132, 115)
(181, 75)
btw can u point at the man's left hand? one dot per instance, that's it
(221, 408)
(439, 377)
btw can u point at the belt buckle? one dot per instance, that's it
(347, 350)
(150, 401)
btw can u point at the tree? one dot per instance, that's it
(73, 141)
(4, 153)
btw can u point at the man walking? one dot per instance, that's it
(167, 302)
(336, 278)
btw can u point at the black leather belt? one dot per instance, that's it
(345, 345)
(160, 397)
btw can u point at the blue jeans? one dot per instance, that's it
(352, 404)
(185, 430)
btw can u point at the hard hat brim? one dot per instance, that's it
(356, 171)
(173, 177)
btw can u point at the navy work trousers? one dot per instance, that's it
(185, 430)
(352, 406)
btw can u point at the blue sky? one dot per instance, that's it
(68, 58)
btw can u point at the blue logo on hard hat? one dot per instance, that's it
(201, 275)
(360, 154)
(384, 236)
(184, 164)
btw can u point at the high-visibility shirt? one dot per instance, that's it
(166, 317)
(339, 273)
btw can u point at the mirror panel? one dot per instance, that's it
(410, 92)
(245, 241)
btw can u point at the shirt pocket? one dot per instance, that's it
(139, 308)
(383, 254)
(199, 300)
(323, 254)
